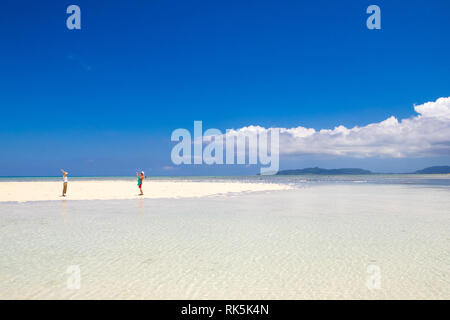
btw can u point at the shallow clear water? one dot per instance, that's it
(320, 240)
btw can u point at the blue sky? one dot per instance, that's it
(105, 99)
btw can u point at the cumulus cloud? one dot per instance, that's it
(426, 134)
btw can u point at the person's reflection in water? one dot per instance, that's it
(64, 209)
(141, 207)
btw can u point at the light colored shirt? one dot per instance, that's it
(65, 178)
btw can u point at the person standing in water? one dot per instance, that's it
(140, 179)
(64, 182)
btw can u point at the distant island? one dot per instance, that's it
(317, 170)
(357, 171)
(434, 170)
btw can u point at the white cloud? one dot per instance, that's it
(427, 134)
(169, 168)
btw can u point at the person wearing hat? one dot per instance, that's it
(64, 182)
(140, 179)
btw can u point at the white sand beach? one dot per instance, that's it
(122, 190)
